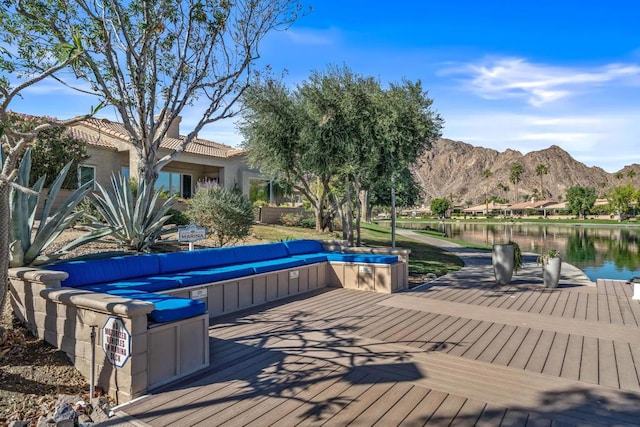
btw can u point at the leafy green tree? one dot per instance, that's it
(226, 214)
(408, 191)
(514, 177)
(17, 75)
(337, 135)
(580, 200)
(440, 207)
(51, 150)
(542, 170)
(150, 59)
(620, 198)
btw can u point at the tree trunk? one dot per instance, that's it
(365, 209)
(5, 224)
(349, 214)
(358, 223)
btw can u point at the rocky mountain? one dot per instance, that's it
(454, 169)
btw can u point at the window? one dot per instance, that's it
(86, 173)
(174, 183)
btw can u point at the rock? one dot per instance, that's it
(65, 415)
(18, 424)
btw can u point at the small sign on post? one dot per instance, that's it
(116, 341)
(191, 233)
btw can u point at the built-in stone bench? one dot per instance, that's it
(163, 302)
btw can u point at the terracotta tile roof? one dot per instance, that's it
(199, 146)
(79, 133)
(532, 205)
(483, 207)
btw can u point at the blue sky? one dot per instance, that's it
(505, 74)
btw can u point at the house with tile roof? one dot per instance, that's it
(202, 160)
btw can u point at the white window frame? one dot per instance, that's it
(92, 167)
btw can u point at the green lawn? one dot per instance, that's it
(423, 259)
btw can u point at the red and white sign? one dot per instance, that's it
(116, 341)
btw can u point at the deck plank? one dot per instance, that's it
(553, 365)
(540, 353)
(524, 351)
(571, 364)
(608, 371)
(397, 413)
(344, 356)
(627, 375)
(589, 370)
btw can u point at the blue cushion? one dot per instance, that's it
(275, 264)
(193, 260)
(368, 258)
(199, 277)
(303, 246)
(145, 284)
(311, 258)
(263, 252)
(167, 308)
(107, 269)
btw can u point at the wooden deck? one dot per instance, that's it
(458, 352)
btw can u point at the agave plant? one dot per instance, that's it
(27, 247)
(135, 223)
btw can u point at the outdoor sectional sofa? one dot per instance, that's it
(164, 302)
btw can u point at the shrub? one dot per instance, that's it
(178, 217)
(227, 215)
(291, 219)
(89, 211)
(309, 222)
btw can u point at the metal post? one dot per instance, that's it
(93, 363)
(393, 213)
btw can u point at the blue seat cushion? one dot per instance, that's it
(364, 258)
(303, 246)
(262, 252)
(195, 260)
(167, 308)
(104, 270)
(275, 264)
(311, 258)
(209, 275)
(143, 284)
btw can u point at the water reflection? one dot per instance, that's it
(601, 252)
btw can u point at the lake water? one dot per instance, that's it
(602, 252)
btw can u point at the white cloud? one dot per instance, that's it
(312, 37)
(539, 84)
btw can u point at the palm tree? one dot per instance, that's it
(486, 174)
(618, 175)
(504, 188)
(514, 178)
(540, 171)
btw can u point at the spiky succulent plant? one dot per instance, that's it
(32, 234)
(136, 223)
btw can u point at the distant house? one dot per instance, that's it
(493, 207)
(538, 206)
(202, 160)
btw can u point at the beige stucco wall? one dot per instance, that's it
(229, 172)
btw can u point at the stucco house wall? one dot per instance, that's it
(201, 160)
